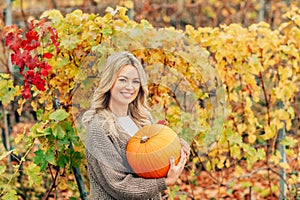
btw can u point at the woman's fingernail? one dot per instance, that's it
(172, 159)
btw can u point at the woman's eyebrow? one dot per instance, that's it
(127, 77)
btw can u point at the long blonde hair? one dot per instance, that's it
(138, 109)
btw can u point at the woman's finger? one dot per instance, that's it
(184, 143)
(183, 158)
(185, 147)
(172, 162)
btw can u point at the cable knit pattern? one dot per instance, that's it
(110, 174)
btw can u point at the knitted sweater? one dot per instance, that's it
(110, 174)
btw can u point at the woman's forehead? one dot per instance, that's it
(129, 71)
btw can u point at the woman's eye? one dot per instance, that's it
(122, 80)
(136, 82)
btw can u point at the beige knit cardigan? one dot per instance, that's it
(110, 174)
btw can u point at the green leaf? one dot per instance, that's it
(289, 141)
(73, 138)
(76, 159)
(2, 169)
(63, 143)
(39, 156)
(172, 191)
(40, 159)
(39, 114)
(11, 195)
(34, 174)
(59, 115)
(7, 90)
(62, 161)
(48, 131)
(50, 157)
(59, 132)
(106, 31)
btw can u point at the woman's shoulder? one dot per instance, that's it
(97, 119)
(101, 120)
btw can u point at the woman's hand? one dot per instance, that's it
(175, 170)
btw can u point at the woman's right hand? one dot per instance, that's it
(175, 170)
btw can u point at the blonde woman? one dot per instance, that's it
(118, 110)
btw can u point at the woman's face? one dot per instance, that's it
(126, 87)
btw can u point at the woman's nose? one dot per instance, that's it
(129, 85)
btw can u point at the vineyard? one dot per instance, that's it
(231, 91)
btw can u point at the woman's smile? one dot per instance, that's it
(126, 94)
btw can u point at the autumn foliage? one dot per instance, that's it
(25, 53)
(231, 91)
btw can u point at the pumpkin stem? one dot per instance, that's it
(144, 139)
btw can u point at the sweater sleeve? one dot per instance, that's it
(110, 170)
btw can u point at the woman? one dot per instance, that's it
(118, 110)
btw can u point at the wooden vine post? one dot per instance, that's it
(282, 172)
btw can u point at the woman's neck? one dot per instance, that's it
(120, 112)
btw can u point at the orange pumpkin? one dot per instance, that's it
(149, 150)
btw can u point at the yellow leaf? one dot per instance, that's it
(291, 111)
(221, 162)
(19, 138)
(238, 171)
(208, 166)
(241, 128)
(269, 132)
(233, 96)
(34, 105)
(21, 103)
(284, 165)
(18, 90)
(227, 163)
(251, 129)
(282, 114)
(49, 106)
(252, 139)
(63, 184)
(290, 152)
(54, 15)
(285, 72)
(235, 151)
(275, 158)
(5, 76)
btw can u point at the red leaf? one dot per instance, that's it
(31, 63)
(29, 76)
(26, 92)
(45, 68)
(39, 82)
(28, 46)
(13, 41)
(32, 35)
(13, 37)
(16, 59)
(163, 122)
(48, 55)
